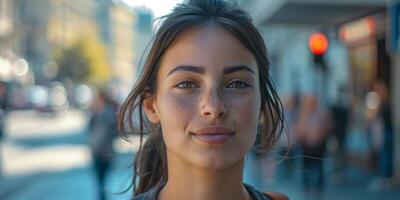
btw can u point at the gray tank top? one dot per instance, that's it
(152, 194)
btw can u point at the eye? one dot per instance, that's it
(238, 84)
(186, 84)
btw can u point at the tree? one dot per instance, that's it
(84, 61)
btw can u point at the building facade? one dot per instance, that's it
(115, 21)
(45, 26)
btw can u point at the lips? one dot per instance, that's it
(213, 135)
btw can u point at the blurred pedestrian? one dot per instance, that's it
(3, 106)
(340, 111)
(288, 145)
(312, 129)
(102, 132)
(3, 110)
(381, 131)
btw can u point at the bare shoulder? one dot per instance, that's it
(277, 196)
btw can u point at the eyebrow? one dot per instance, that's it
(190, 68)
(236, 68)
(201, 70)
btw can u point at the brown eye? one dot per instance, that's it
(238, 84)
(186, 84)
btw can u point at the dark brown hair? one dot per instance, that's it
(150, 165)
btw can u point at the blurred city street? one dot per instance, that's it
(66, 67)
(46, 157)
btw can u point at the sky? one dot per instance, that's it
(159, 7)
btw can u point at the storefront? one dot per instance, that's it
(369, 65)
(368, 56)
(363, 26)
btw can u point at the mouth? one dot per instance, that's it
(213, 135)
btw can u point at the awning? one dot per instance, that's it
(311, 12)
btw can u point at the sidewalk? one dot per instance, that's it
(48, 158)
(349, 184)
(72, 184)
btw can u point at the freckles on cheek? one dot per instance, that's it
(248, 106)
(176, 113)
(176, 108)
(178, 103)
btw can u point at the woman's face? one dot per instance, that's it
(207, 99)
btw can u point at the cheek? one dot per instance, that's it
(175, 111)
(245, 107)
(246, 111)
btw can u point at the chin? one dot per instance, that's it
(217, 162)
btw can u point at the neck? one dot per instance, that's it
(188, 182)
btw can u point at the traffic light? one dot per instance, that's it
(318, 44)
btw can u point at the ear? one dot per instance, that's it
(150, 108)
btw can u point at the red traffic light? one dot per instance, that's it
(318, 43)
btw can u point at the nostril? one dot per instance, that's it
(214, 112)
(213, 104)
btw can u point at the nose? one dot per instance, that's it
(213, 105)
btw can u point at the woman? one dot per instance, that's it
(208, 99)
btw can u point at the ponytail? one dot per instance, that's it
(150, 165)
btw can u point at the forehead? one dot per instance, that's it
(211, 47)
